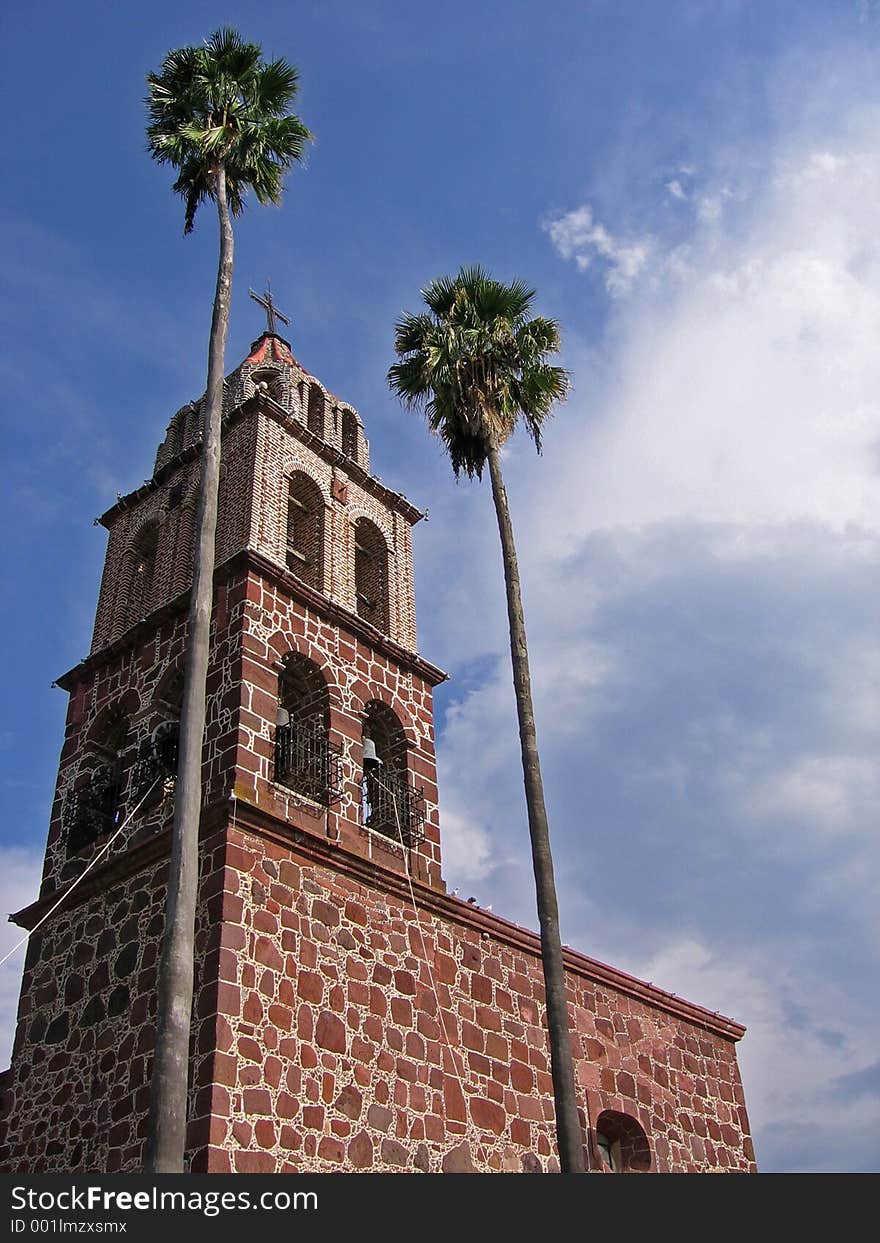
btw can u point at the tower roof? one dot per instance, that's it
(272, 348)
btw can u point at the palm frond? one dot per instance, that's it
(440, 295)
(230, 54)
(221, 102)
(476, 365)
(195, 186)
(274, 88)
(538, 337)
(412, 333)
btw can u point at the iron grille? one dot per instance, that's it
(158, 758)
(394, 808)
(164, 748)
(306, 761)
(92, 811)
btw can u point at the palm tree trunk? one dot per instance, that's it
(569, 1136)
(168, 1102)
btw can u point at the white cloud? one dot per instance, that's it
(709, 207)
(825, 793)
(466, 847)
(749, 392)
(577, 235)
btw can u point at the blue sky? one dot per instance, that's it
(693, 189)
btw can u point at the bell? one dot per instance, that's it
(371, 759)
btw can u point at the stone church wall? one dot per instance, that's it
(318, 1042)
(334, 1054)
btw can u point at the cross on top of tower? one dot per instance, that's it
(272, 312)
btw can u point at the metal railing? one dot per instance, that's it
(92, 811)
(157, 758)
(307, 762)
(394, 807)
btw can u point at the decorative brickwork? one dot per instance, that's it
(349, 435)
(349, 1014)
(316, 410)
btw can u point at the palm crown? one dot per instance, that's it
(477, 365)
(222, 103)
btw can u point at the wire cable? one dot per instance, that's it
(69, 890)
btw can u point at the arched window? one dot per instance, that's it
(168, 695)
(305, 760)
(93, 809)
(155, 773)
(305, 530)
(371, 574)
(391, 805)
(622, 1143)
(143, 570)
(316, 411)
(349, 435)
(269, 381)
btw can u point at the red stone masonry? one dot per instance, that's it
(338, 1025)
(336, 1057)
(319, 1043)
(78, 1089)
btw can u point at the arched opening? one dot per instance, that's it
(622, 1143)
(168, 695)
(305, 530)
(391, 805)
(143, 572)
(349, 435)
(155, 773)
(371, 574)
(269, 382)
(93, 809)
(315, 416)
(305, 759)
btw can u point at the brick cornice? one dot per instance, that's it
(249, 558)
(261, 403)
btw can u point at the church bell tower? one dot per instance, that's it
(318, 746)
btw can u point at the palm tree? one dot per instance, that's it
(477, 366)
(221, 117)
